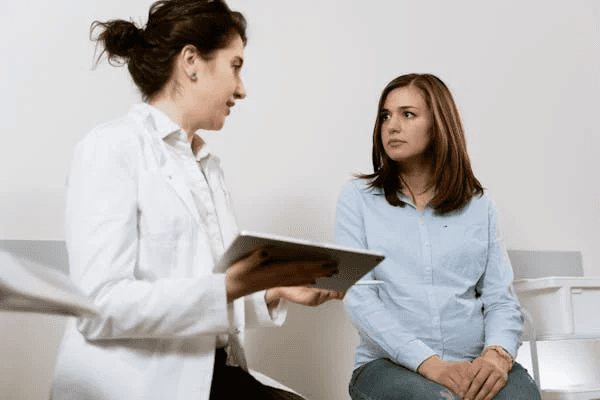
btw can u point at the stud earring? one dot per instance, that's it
(193, 76)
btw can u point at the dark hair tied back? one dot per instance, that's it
(208, 25)
(120, 38)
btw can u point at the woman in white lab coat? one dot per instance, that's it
(148, 215)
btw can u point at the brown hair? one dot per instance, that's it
(209, 25)
(455, 183)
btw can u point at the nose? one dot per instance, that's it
(240, 91)
(394, 125)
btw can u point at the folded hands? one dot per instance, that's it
(480, 379)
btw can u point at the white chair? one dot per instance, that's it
(545, 282)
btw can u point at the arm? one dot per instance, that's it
(488, 373)
(363, 303)
(502, 317)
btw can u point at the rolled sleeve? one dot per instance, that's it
(258, 314)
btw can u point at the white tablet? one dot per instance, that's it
(352, 263)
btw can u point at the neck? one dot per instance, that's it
(418, 178)
(176, 112)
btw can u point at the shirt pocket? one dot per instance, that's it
(463, 250)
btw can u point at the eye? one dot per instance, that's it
(409, 114)
(237, 68)
(384, 117)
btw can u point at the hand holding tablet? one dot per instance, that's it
(352, 264)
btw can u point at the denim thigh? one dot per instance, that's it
(520, 386)
(381, 379)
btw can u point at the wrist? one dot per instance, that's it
(430, 365)
(498, 353)
(272, 298)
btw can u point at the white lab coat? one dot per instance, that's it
(137, 249)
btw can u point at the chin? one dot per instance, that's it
(216, 126)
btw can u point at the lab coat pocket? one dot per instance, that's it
(157, 257)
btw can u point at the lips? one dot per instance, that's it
(395, 142)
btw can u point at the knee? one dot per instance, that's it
(520, 386)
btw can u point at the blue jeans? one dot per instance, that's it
(381, 379)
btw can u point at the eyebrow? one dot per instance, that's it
(401, 108)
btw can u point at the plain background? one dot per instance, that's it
(525, 76)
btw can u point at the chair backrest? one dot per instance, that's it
(530, 264)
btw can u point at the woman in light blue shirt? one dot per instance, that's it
(443, 321)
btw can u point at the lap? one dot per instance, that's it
(235, 383)
(382, 379)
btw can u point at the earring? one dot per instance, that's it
(193, 76)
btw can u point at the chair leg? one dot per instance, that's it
(535, 363)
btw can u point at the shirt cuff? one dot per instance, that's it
(417, 353)
(258, 314)
(508, 345)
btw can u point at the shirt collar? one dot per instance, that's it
(163, 127)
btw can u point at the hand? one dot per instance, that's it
(488, 375)
(453, 375)
(254, 273)
(302, 295)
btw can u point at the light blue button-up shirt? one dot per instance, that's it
(446, 280)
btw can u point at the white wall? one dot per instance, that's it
(525, 76)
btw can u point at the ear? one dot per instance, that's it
(189, 61)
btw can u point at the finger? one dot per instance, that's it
(470, 372)
(319, 269)
(337, 295)
(460, 385)
(485, 390)
(496, 389)
(321, 296)
(331, 266)
(476, 384)
(451, 383)
(256, 257)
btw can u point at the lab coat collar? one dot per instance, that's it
(155, 120)
(162, 127)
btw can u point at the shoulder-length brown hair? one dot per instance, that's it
(455, 183)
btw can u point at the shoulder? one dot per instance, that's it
(482, 207)
(118, 142)
(359, 187)
(119, 136)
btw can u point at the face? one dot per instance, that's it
(219, 85)
(406, 124)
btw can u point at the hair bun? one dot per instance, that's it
(121, 38)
